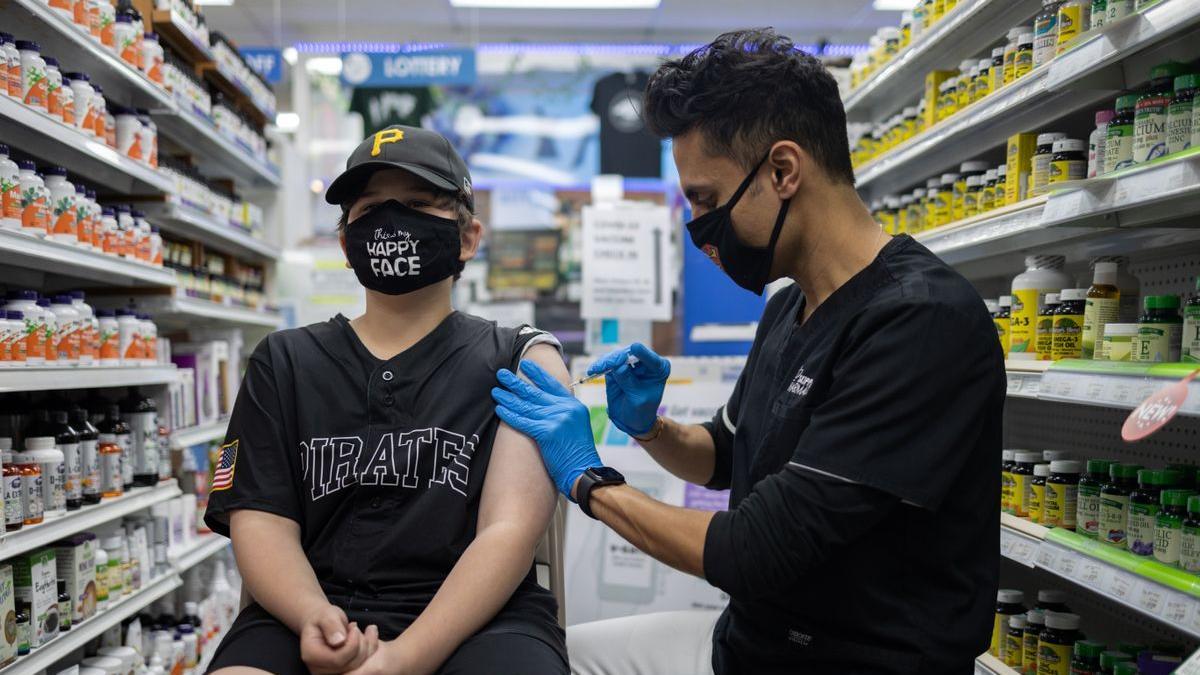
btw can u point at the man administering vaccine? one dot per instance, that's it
(861, 444)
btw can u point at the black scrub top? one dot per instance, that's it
(862, 450)
(381, 463)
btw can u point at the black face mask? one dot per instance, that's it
(395, 250)
(713, 233)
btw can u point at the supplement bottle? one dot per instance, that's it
(54, 85)
(10, 192)
(1044, 331)
(1067, 334)
(83, 222)
(1096, 142)
(1062, 494)
(1043, 274)
(129, 233)
(1087, 512)
(85, 101)
(25, 302)
(1101, 306)
(100, 106)
(115, 430)
(33, 75)
(1129, 286)
(62, 206)
(152, 57)
(1022, 482)
(1190, 352)
(149, 137)
(1051, 600)
(89, 455)
(1003, 321)
(110, 231)
(66, 336)
(996, 72)
(88, 333)
(13, 82)
(1144, 504)
(40, 448)
(33, 505)
(64, 607)
(1024, 57)
(960, 186)
(914, 220)
(142, 233)
(1057, 643)
(944, 209)
(111, 483)
(1114, 503)
(1109, 659)
(1001, 185)
(981, 85)
(1007, 462)
(149, 339)
(1189, 541)
(1074, 19)
(1168, 526)
(971, 198)
(1035, 621)
(1160, 331)
(1037, 486)
(114, 575)
(1014, 641)
(987, 196)
(101, 578)
(1069, 161)
(1009, 603)
(33, 204)
(67, 442)
(1011, 44)
(129, 343)
(125, 36)
(1099, 13)
(1117, 344)
(108, 349)
(963, 92)
(1179, 113)
(129, 132)
(1118, 145)
(14, 514)
(1150, 115)
(140, 413)
(24, 634)
(1045, 33)
(1086, 658)
(1040, 177)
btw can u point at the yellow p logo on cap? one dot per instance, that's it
(386, 136)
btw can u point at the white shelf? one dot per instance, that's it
(1025, 377)
(195, 224)
(1121, 385)
(52, 142)
(43, 256)
(31, 537)
(78, 51)
(80, 634)
(215, 154)
(961, 34)
(205, 547)
(186, 438)
(1091, 72)
(986, 664)
(1025, 543)
(183, 309)
(45, 379)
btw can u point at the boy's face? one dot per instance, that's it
(416, 194)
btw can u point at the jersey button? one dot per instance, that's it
(388, 400)
(387, 376)
(376, 502)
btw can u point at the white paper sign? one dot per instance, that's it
(626, 261)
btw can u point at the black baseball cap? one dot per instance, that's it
(424, 153)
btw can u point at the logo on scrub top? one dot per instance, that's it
(801, 384)
(713, 255)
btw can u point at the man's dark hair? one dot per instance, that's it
(443, 198)
(747, 90)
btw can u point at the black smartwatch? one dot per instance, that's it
(597, 476)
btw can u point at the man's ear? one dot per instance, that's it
(788, 162)
(472, 237)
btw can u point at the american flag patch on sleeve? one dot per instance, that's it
(223, 473)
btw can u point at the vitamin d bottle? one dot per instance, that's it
(1087, 512)
(1062, 494)
(1057, 643)
(1044, 332)
(1067, 332)
(1168, 526)
(1043, 274)
(1114, 503)
(1009, 603)
(1101, 306)
(1143, 511)
(1118, 146)
(1189, 540)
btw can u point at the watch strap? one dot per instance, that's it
(590, 480)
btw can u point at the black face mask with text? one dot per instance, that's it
(395, 250)
(713, 233)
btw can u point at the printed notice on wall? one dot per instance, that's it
(625, 261)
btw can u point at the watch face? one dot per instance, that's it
(606, 473)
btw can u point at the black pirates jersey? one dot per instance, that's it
(380, 462)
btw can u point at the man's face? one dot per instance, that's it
(709, 181)
(404, 187)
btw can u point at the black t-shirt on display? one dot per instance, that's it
(381, 107)
(381, 463)
(862, 450)
(627, 148)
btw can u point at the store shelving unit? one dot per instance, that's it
(186, 438)
(88, 517)
(205, 547)
(987, 664)
(50, 653)
(195, 224)
(1098, 383)
(1156, 591)
(1098, 66)
(77, 50)
(171, 26)
(216, 154)
(180, 309)
(36, 255)
(90, 377)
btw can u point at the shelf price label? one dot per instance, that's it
(1024, 551)
(1047, 556)
(1067, 564)
(1121, 585)
(1014, 384)
(1152, 598)
(1175, 608)
(1090, 573)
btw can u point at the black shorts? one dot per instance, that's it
(259, 640)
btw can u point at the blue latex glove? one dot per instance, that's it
(634, 392)
(548, 413)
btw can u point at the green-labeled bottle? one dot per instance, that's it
(1086, 660)
(1160, 331)
(1168, 527)
(1087, 507)
(1189, 542)
(1109, 660)
(1191, 327)
(1143, 512)
(1114, 503)
(1118, 145)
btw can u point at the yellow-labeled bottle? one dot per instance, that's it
(1023, 61)
(972, 196)
(946, 196)
(1067, 342)
(1035, 621)
(1014, 641)
(1069, 161)
(1040, 177)
(987, 196)
(1003, 321)
(1037, 488)
(1009, 603)
(916, 211)
(996, 72)
(982, 81)
(966, 77)
(939, 10)
(1074, 19)
(1001, 187)
(1044, 334)
(966, 170)
(1012, 44)
(939, 209)
(1102, 306)
(1043, 274)
(1056, 643)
